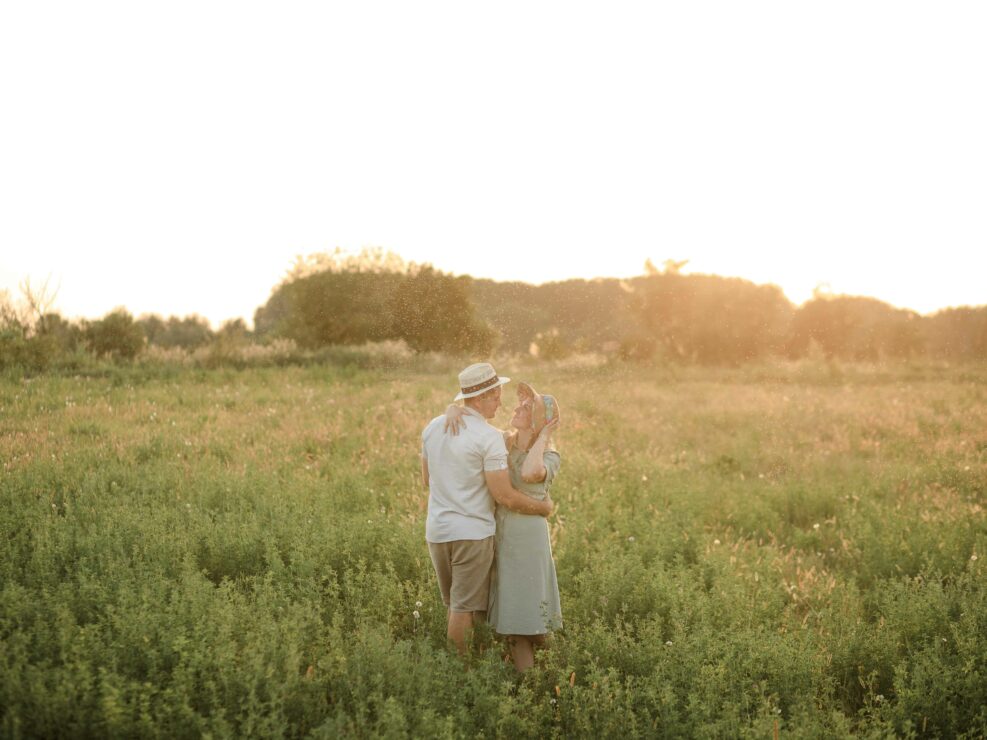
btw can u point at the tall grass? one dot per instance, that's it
(223, 552)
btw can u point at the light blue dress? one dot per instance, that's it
(524, 590)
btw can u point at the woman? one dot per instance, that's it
(524, 591)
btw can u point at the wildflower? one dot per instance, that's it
(815, 526)
(879, 698)
(631, 538)
(418, 604)
(416, 614)
(973, 557)
(716, 542)
(644, 478)
(668, 644)
(553, 700)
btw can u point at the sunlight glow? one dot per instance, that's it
(173, 159)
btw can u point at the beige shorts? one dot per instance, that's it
(463, 568)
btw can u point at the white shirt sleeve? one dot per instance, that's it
(494, 453)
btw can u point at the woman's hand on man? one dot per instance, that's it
(454, 419)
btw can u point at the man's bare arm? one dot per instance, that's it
(499, 483)
(425, 473)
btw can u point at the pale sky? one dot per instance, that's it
(174, 157)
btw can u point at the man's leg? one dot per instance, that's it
(442, 560)
(459, 630)
(472, 561)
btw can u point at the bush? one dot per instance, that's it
(637, 348)
(352, 303)
(34, 346)
(550, 345)
(31, 353)
(116, 335)
(957, 333)
(710, 319)
(855, 328)
(431, 311)
(190, 332)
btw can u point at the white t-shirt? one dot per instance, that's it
(460, 506)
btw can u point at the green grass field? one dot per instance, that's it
(790, 548)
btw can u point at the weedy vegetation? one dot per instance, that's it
(784, 547)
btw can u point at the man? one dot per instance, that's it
(466, 475)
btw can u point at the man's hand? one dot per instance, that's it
(499, 483)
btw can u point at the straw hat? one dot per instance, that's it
(478, 378)
(544, 408)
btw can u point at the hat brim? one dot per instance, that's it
(500, 381)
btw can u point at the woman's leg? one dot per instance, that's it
(522, 652)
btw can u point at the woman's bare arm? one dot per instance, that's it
(533, 467)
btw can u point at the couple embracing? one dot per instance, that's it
(488, 499)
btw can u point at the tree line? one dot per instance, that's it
(332, 299)
(717, 320)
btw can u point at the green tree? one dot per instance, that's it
(65, 335)
(956, 333)
(855, 328)
(189, 332)
(329, 308)
(115, 335)
(711, 319)
(335, 299)
(432, 311)
(32, 336)
(585, 314)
